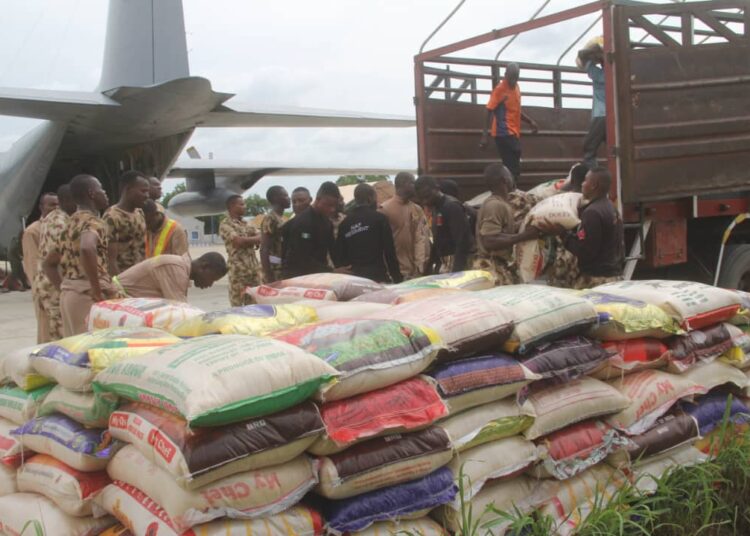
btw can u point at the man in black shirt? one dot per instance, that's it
(307, 239)
(598, 243)
(452, 238)
(365, 240)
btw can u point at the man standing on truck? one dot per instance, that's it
(504, 114)
(598, 242)
(591, 59)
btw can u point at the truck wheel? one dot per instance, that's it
(735, 270)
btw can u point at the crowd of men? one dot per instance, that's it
(82, 251)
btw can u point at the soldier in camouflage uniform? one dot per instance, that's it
(241, 240)
(271, 238)
(84, 235)
(46, 294)
(496, 228)
(126, 223)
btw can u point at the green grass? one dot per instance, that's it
(709, 499)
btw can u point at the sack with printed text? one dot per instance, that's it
(632, 355)
(195, 457)
(693, 305)
(369, 354)
(74, 361)
(90, 409)
(29, 513)
(395, 294)
(248, 320)
(140, 312)
(16, 368)
(219, 379)
(341, 287)
(471, 280)
(18, 405)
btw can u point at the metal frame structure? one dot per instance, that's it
(669, 208)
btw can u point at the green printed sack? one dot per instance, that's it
(20, 406)
(219, 379)
(89, 409)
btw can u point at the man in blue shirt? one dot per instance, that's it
(591, 60)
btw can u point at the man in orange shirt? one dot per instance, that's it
(504, 114)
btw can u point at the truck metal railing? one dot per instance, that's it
(550, 85)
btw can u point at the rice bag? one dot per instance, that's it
(649, 471)
(708, 411)
(503, 458)
(396, 295)
(140, 313)
(29, 513)
(737, 355)
(412, 497)
(7, 482)
(344, 287)
(245, 495)
(16, 368)
(485, 423)
(467, 325)
(716, 373)
(699, 345)
(198, 456)
(693, 305)
(90, 409)
(74, 361)
(565, 359)
(467, 383)
(629, 356)
(652, 393)
(369, 354)
(335, 310)
(248, 320)
(12, 451)
(219, 379)
(81, 448)
(423, 526)
(668, 432)
(71, 490)
(405, 406)
(574, 449)
(557, 406)
(268, 295)
(18, 405)
(541, 313)
(468, 280)
(383, 461)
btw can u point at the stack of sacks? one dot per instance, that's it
(22, 389)
(216, 428)
(665, 338)
(140, 313)
(325, 286)
(380, 459)
(67, 428)
(255, 320)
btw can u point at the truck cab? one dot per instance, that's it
(678, 125)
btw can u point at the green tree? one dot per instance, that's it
(256, 205)
(181, 187)
(346, 180)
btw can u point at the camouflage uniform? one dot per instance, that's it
(584, 281)
(128, 231)
(244, 269)
(45, 293)
(564, 270)
(522, 202)
(271, 225)
(496, 215)
(75, 295)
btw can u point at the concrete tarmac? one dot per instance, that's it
(18, 324)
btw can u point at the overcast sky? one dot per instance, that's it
(335, 54)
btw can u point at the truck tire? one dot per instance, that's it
(735, 270)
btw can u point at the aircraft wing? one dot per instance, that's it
(242, 174)
(223, 116)
(49, 104)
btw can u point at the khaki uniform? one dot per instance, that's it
(170, 239)
(75, 295)
(128, 231)
(584, 281)
(411, 235)
(46, 295)
(271, 226)
(496, 216)
(164, 276)
(242, 263)
(30, 252)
